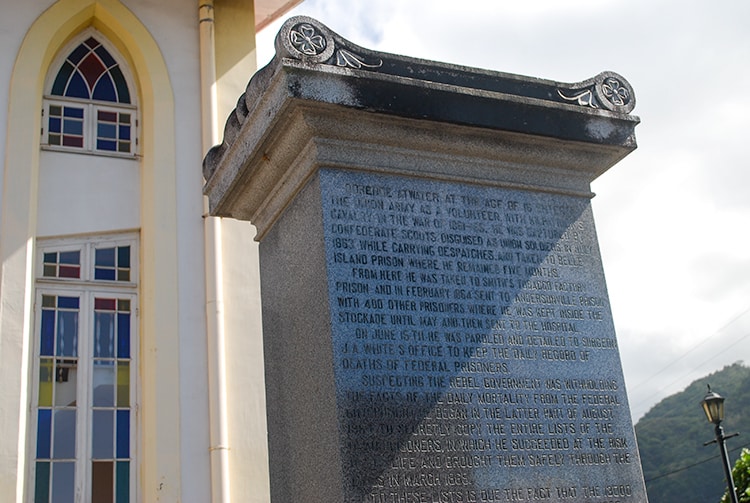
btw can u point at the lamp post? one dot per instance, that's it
(713, 406)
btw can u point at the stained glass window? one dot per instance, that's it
(84, 373)
(57, 412)
(110, 433)
(89, 105)
(91, 73)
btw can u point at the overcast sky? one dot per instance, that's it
(673, 217)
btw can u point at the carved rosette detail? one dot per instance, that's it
(607, 90)
(615, 92)
(307, 40)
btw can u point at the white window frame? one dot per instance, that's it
(90, 136)
(86, 289)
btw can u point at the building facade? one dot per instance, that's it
(130, 344)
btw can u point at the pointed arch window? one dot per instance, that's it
(89, 105)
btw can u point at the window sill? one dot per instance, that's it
(98, 153)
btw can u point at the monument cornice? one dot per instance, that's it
(419, 112)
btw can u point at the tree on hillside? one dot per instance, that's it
(741, 476)
(671, 435)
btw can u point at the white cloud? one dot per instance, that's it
(672, 218)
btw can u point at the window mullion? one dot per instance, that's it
(84, 430)
(91, 128)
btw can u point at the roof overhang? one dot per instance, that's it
(268, 11)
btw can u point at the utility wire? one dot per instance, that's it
(682, 469)
(684, 355)
(683, 376)
(647, 399)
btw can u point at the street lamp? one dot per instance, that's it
(713, 406)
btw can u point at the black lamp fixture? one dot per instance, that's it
(713, 406)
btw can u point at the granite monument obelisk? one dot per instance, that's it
(436, 321)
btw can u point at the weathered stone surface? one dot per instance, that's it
(436, 321)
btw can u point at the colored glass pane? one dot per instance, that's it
(104, 274)
(67, 302)
(77, 87)
(102, 434)
(106, 130)
(105, 89)
(70, 257)
(43, 433)
(91, 68)
(54, 125)
(105, 304)
(64, 431)
(49, 301)
(105, 257)
(123, 384)
(123, 482)
(63, 482)
(105, 115)
(73, 112)
(41, 484)
(61, 80)
(104, 335)
(123, 434)
(67, 333)
(54, 139)
(105, 56)
(124, 132)
(110, 146)
(91, 42)
(72, 126)
(69, 271)
(102, 481)
(78, 54)
(72, 141)
(47, 333)
(123, 335)
(46, 381)
(123, 93)
(123, 274)
(104, 384)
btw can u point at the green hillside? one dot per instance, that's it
(672, 433)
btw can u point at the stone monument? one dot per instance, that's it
(436, 322)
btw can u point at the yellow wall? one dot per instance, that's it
(159, 450)
(246, 420)
(167, 450)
